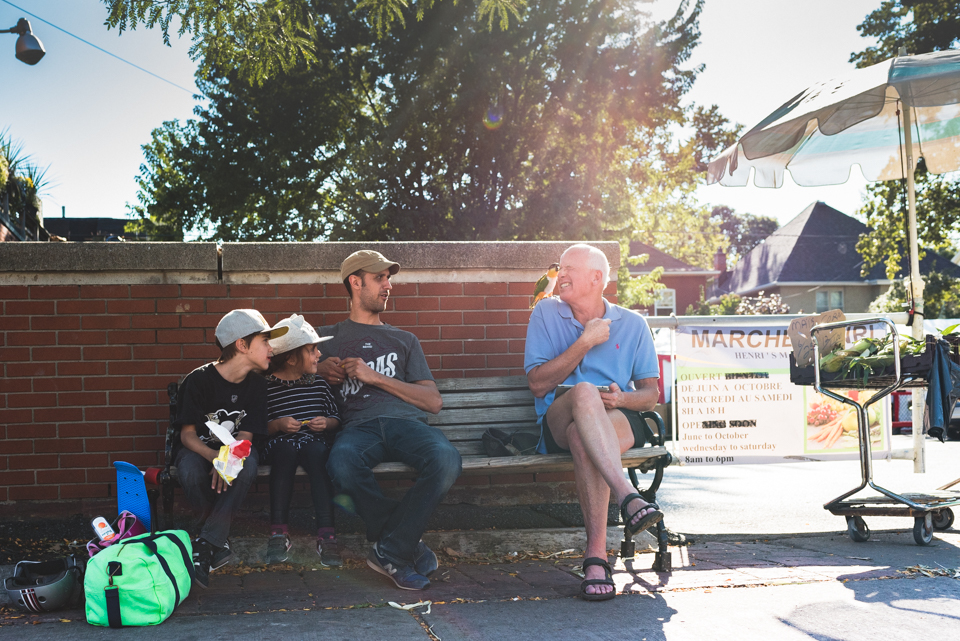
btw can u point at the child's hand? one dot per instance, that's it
(218, 483)
(317, 424)
(288, 425)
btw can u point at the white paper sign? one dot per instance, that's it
(736, 404)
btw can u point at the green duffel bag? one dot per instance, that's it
(140, 580)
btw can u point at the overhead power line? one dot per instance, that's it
(87, 42)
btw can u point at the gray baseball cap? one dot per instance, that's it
(299, 333)
(367, 260)
(243, 322)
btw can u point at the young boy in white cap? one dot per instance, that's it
(230, 393)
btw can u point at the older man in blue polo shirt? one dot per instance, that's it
(581, 340)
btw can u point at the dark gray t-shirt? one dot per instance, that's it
(390, 351)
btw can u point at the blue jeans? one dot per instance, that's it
(216, 510)
(396, 525)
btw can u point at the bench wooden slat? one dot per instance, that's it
(481, 416)
(517, 398)
(475, 432)
(482, 465)
(487, 383)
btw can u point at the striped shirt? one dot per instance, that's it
(303, 399)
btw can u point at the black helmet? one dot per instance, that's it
(44, 586)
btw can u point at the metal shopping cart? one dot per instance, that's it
(930, 511)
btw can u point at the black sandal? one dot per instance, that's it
(651, 519)
(599, 596)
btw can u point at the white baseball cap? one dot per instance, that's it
(299, 333)
(244, 322)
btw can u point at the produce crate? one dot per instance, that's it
(913, 369)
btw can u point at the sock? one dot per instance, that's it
(326, 533)
(278, 529)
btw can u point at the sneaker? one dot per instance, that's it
(277, 548)
(329, 553)
(424, 560)
(405, 578)
(201, 563)
(222, 556)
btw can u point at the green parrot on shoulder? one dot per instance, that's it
(545, 285)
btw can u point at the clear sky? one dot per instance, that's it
(85, 114)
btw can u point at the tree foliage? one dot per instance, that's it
(921, 26)
(726, 306)
(742, 232)
(559, 128)
(636, 290)
(22, 181)
(885, 211)
(941, 297)
(260, 39)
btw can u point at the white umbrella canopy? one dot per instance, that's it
(882, 117)
(826, 129)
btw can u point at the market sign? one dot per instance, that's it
(736, 404)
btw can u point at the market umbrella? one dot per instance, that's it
(883, 118)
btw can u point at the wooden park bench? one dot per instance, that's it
(470, 407)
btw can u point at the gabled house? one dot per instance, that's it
(812, 262)
(683, 282)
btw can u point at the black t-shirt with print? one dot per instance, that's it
(206, 396)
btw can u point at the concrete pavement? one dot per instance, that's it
(800, 586)
(768, 562)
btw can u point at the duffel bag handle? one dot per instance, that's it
(151, 543)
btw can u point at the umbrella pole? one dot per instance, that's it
(916, 285)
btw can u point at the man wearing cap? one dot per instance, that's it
(230, 394)
(385, 390)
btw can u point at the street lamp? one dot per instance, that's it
(29, 48)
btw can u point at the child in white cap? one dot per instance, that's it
(302, 420)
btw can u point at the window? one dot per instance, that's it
(828, 299)
(665, 302)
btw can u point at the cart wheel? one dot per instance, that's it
(943, 520)
(923, 529)
(857, 529)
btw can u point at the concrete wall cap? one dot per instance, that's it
(414, 255)
(103, 256)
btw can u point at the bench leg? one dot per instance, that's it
(166, 496)
(152, 494)
(663, 560)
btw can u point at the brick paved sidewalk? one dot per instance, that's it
(713, 564)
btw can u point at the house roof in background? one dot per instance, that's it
(671, 266)
(818, 246)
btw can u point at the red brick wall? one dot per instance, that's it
(84, 367)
